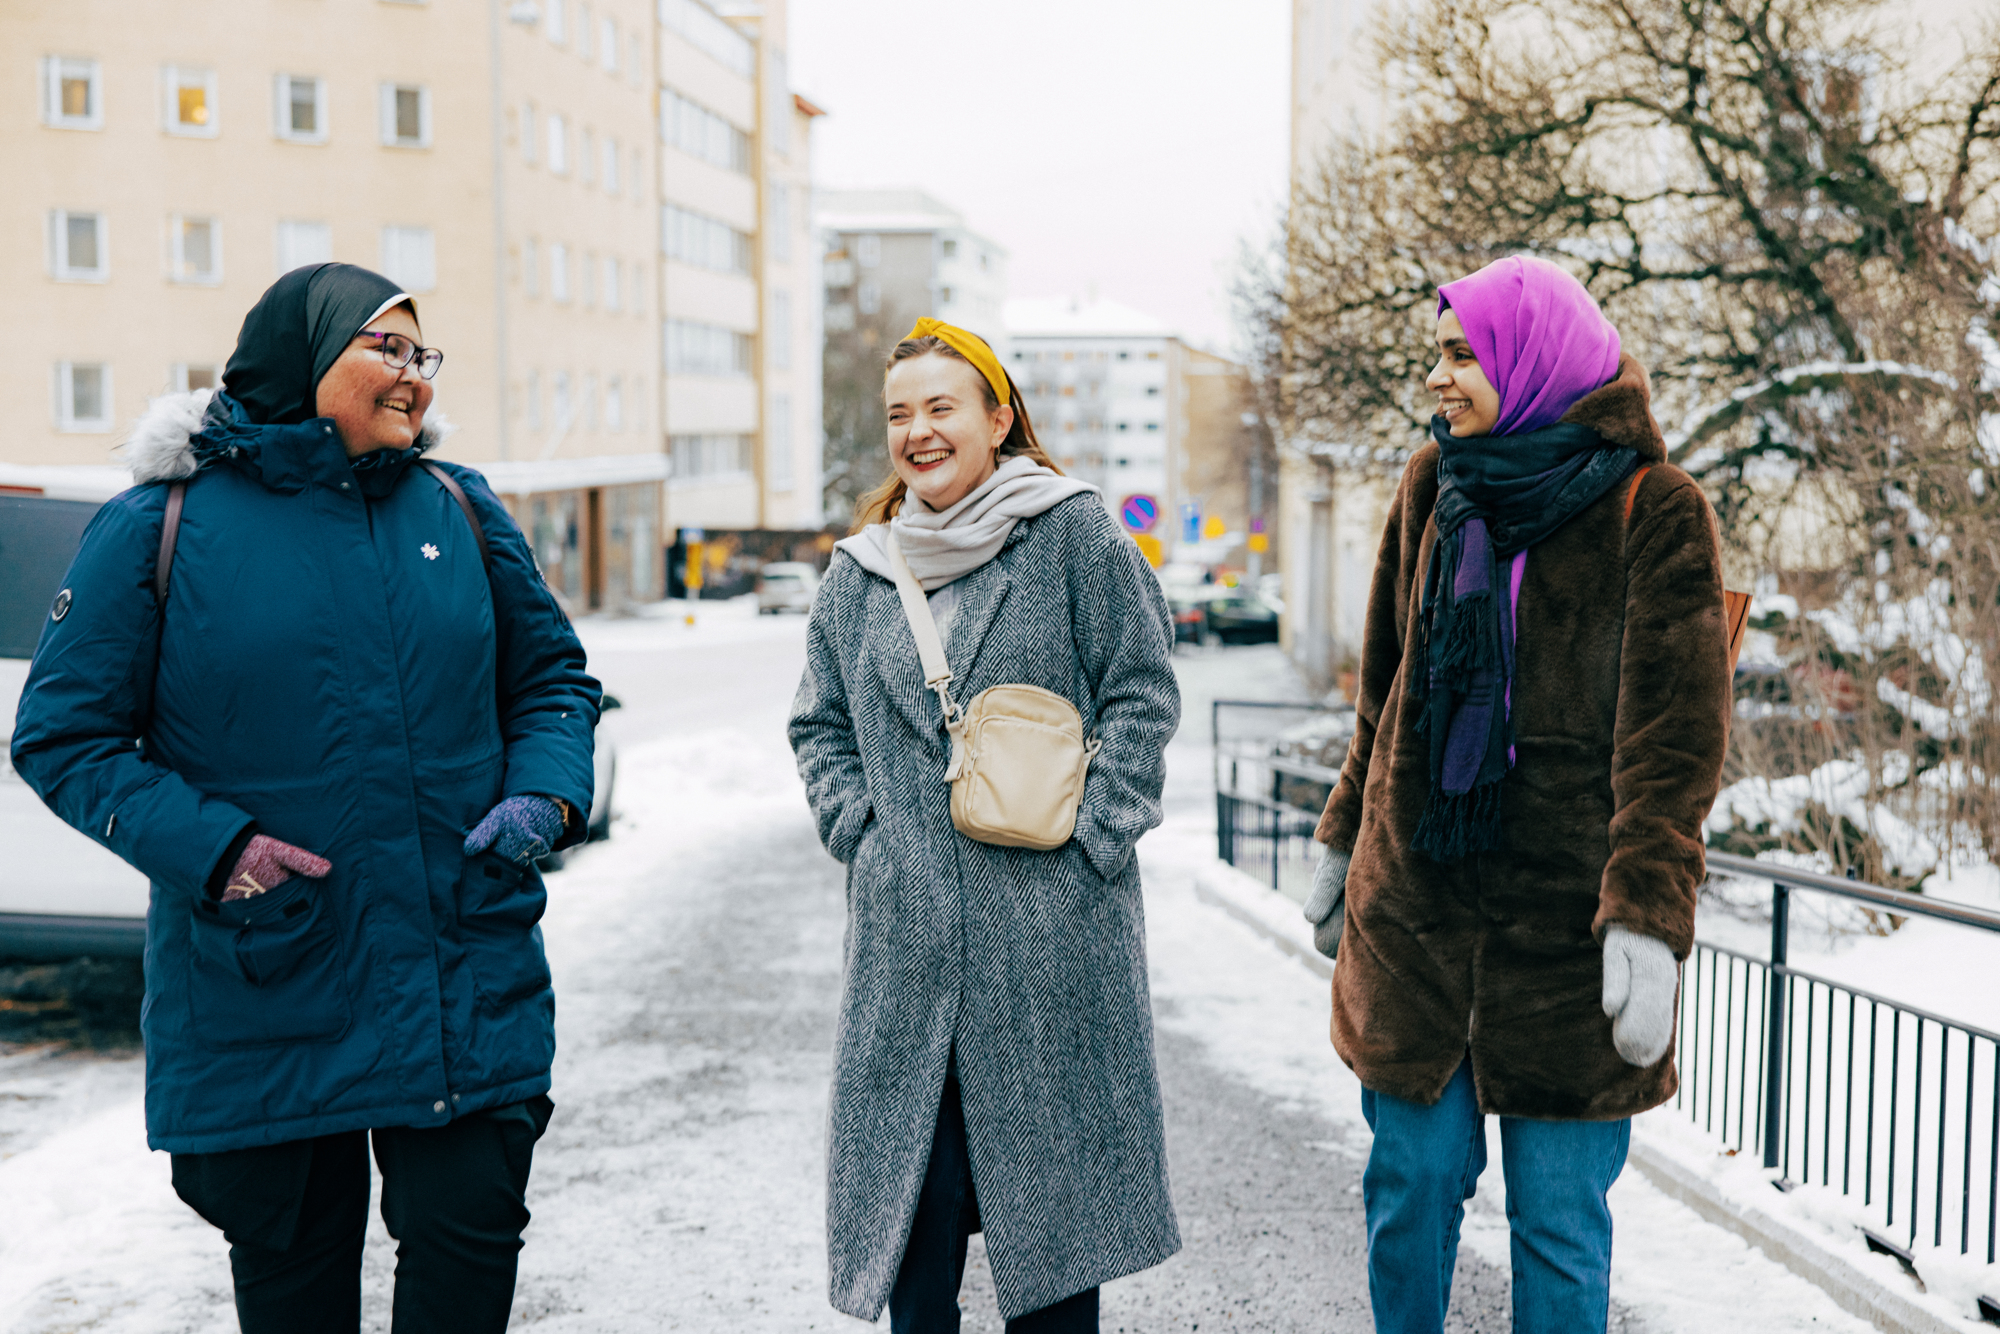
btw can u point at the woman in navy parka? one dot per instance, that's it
(335, 747)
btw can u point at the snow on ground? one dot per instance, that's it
(653, 1198)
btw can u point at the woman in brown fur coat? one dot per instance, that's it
(1514, 845)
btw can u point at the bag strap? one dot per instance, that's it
(170, 532)
(930, 650)
(450, 484)
(1632, 495)
(1735, 606)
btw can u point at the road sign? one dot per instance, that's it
(1149, 547)
(1213, 527)
(1260, 542)
(1190, 522)
(1140, 513)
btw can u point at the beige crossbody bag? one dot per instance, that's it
(1018, 755)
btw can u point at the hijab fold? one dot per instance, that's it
(944, 545)
(1543, 344)
(294, 334)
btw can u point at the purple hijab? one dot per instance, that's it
(1539, 337)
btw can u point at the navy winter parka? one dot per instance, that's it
(335, 665)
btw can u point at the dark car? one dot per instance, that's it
(1240, 617)
(1189, 605)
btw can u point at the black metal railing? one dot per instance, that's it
(1893, 1106)
(1843, 1088)
(1267, 805)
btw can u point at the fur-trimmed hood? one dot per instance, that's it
(171, 440)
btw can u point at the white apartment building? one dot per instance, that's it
(903, 252)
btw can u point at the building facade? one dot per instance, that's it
(901, 252)
(509, 165)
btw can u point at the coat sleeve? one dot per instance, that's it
(1384, 631)
(548, 702)
(1672, 724)
(820, 727)
(78, 735)
(1125, 640)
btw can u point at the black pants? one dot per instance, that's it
(454, 1198)
(925, 1298)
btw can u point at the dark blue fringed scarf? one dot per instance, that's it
(1497, 496)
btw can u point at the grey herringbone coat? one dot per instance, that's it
(1031, 964)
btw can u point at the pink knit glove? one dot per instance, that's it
(266, 863)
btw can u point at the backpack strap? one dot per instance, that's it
(170, 532)
(170, 529)
(450, 484)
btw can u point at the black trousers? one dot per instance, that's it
(454, 1198)
(925, 1298)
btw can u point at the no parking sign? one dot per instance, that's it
(1140, 513)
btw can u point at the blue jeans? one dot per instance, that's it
(1424, 1166)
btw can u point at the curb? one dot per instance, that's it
(1278, 920)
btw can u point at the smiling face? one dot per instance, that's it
(1467, 400)
(375, 405)
(943, 439)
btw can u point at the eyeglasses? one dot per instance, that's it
(398, 352)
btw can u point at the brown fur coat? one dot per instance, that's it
(1621, 714)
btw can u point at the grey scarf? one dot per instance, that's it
(945, 545)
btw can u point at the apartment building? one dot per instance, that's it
(903, 253)
(1121, 402)
(507, 164)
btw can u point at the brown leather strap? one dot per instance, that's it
(458, 493)
(170, 531)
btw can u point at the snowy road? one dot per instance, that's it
(696, 959)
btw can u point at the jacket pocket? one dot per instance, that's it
(498, 906)
(267, 970)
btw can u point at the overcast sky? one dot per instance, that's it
(1129, 145)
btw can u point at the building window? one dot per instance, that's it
(559, 401)
(614, 404)
(586, 158)
(197, 249)
(588, 266)
(590, 402)
(695, 130)
(185, 376)
(708, 456)
(944, 295)
(583, 31)
(409, 258)
(79, 247)
(611, 166)
(705, 349)
(528, 133)
(299, 106)
(531, 267)
(950, 248)
(535, 400)
(558, 271)
(693, 238)
(868, 250)
(558, 21)
(869, 297)
(635, 62)
(558, 144)
(710, 35)
(781, 331)
(614, 283)
(72, 93)
(406, 115)
(83, 396)
(778, 444)
(779, 225)
(637, 176)
(190, 100)
(607, 45)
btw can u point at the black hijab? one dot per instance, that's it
(296, 331)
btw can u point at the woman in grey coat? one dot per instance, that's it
(994, 1054)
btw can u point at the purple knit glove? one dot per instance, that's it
(266, 863)
(519, 829)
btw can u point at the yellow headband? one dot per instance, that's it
(968, 345)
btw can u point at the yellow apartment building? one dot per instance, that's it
(509, 163)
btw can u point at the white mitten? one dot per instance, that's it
(1641, 980)
(1326, 906)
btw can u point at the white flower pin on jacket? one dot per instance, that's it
(430, 552)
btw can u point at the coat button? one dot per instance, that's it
(454, 1100)
(438, 1106)
(343, 486)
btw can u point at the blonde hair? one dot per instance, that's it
(886, 500)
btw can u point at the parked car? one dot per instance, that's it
(1241, 617)
(63, 895)
(1189, 605)
(786, 585)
